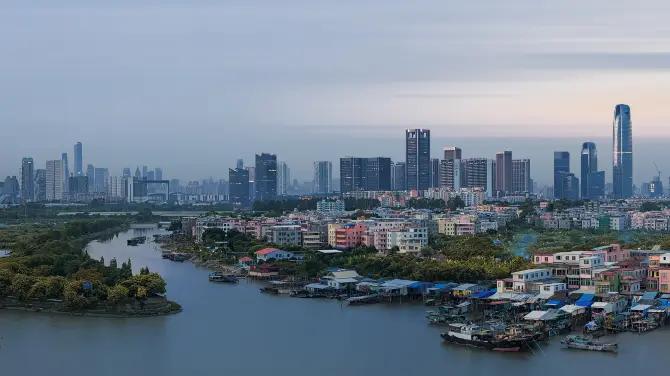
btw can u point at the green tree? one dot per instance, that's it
(117, 294)
(650, 206)
(21, 285)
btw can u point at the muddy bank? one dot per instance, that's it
(151, 307)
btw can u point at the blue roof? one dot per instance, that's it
(649, 295)
(440, 285)
(483, 294)
(554, 302)
(416, 285)
(585, 298)
(583, 303)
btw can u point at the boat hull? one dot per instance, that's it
(513, 345)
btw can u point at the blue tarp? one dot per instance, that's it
(585, 298)
(554, 302)
(440, 286)
(583, 303)
(483, 294)
(416, 285)
(649, 295)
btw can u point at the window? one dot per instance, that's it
(574, 258)
(546, 259)
(558, 258)
(537, 259)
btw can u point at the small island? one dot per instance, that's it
(48, 270)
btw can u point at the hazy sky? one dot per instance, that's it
(191, 85)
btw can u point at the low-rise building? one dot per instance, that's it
(328, 207)
(202, 224)
(311, 239)
(286, 234)
(521, 279)
(409, 240)
(273, 253)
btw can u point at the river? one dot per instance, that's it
(235, 330)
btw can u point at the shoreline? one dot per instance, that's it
(88, 314)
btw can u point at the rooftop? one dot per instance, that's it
(266, 251)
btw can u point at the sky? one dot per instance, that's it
(191, 86)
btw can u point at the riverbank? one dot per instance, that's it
(151, 307)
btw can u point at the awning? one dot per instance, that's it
(535, 315)
(656, 310)
(640, 307)
(649, 295)
(582, 303)
(464, 304)
(483, 294)
(518, 304)
(532, 300)
(553, 302)
(586, 298)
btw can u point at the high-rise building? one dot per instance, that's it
(476, 172)
(504, 171)
(40, 185)
(54, 180)
(145, 172)
(11, 186)
(417, 159)
(78, 159)
(175, 187)
(622, 162)
(399, 182)
(78, 186)
(27, 180)
(589, 165)
(66, 173)
(451, 169)
(158, 175)
(239, 187)
(151, 175)
(283, 178)
(521, 182)
(100, 179)
(365, 174)
(435, 173)
(240, 163)
(561, 167)
(138, 173)
(90, 172)
(126, 172)
(452, 152)
(115, 187)
(569, 186)
(596, 185)
(323, 177)
(266, 177)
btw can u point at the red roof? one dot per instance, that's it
(266, 251)
(246, 258)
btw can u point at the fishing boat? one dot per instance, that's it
(270, 290)
(475, 336)
(222, 278)
(586, 343)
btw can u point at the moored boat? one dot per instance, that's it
(223, 278)
(586, 343)
(474, 336)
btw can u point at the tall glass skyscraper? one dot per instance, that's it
(417, 159)
(266, 177)
(78, 164)
(622, 145)
(66, 173)
(589, 165)
(561, 168)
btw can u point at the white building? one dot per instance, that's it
(54, 180)
(409, 240)
(483, 225)
(273, 253)
(202, 224)
(285, 234)
(115, 187)
(521, 279)
(618, 223)
(283, 178)
(324, 206)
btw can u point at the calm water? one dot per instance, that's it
(235, 330)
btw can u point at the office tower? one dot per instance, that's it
(54, 180)
(114, 187)
(569, 186)
(252, 183)
(283, 178)
(90, 172)
(521, 182)
(151, 175)
(78, 159)
(175, 187)
(417, 159)
(40, 185)
(240, 163)
(589, 165)
(451, 169)
(266, 177)
(66, 173)
(504, 171)
(476, 172)
(656, 187)
(452, 152)
(158, 175)
(78, 186)
(138, 174)
(435, 172)
(145, 172)
(399, 182)
(561, 167)
(238, 179)
(352, 176)
(126, 172)
(365, 174)
(100, 179)
(622, 162)
(12, 186)
(27, 180)
(323, 177)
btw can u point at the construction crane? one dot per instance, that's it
(657, 170)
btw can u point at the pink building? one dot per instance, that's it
(664, 280)
(350, 235)
(543, 258)
(612, 252)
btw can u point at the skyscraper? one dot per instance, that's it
(283, 178)
(145, 172)
(27, 180)
(561, 167)
(521, 182)
(477, 172)
(398, 174)
(138, 174)
(417, 159)
(126, 172)
(451, 174)
(66, 173)
(240, 163)
(151, 175)
(452, 152)
(78, 161)
(504, 171)
(54, 180)
(239, 187)
(435, 173)
(266, 177)
(588, 165)
(90, 172)
(100, 179)
(365, 174)
(323, 177)
(158, 175)
(622, 145)
(40, 184)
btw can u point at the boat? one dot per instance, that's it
(475, 336)
(222, 278)
(270, 290)
(137, 240)
(586, 343)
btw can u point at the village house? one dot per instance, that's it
(264, 271)
(521, 279)
(342, 279)
(273, 253)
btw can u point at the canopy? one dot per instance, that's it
(649, 295)
(553, 302)
(464, 304)
(586, 298)
(640, 307)
(483, 294)
(535, 315)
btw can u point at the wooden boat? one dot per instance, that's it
(222, 278)
(474, 336)
(270, 290)
(586, 343)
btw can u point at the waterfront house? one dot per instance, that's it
(664, 280)
(246, 261)
(264, 271)
(521, 279)
(466, 289)
(396, 287)
(342, 279)
(273, 253)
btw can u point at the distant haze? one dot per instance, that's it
(191, 86)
